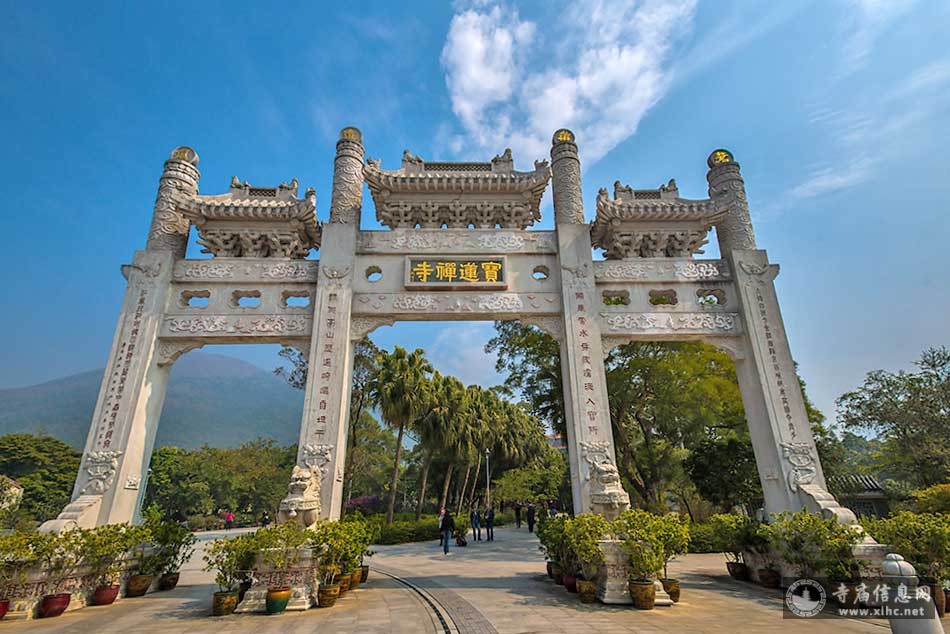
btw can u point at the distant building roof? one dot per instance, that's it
(856, 483)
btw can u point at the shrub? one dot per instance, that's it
(365, 504)
(582, 534)
(935, 499)
(703, 538)
(408, 531)
(811, 543)
(104, 547)
(923, 539)
(731, 534)
(231, 559)
(174, 543)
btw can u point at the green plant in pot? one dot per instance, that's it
(280, 547)
(17, 556)
(800, 538)
(60, 554)
(760, 542)
(229, 559)
(175, 545)
(545, 545)
(104, 550)
(328, 538)
(645, 560)
(582, 535)
(672, 533)
(556, 547)
(730, 531)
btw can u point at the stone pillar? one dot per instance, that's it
(727, 189)
(782, 439)
(595, 481)
(122, 433)
(169, 230)
(323, 431)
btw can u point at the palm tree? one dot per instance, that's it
(401, 390)
(457, 435)
(433, 427)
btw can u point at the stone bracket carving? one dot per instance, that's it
(100, 467)
(169, 351)
(362, 326)
(553, 325)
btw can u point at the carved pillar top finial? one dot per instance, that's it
(727, 189)
(347, 197)
(566, 172)
(169, 230)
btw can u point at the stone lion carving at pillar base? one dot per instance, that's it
(302, 504)
(607, 496)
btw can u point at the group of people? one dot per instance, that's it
(476, 518)
(529, 515)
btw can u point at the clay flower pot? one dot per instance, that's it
(104, 595)
(769, 578)
(672, 588)
(4, 607)
(364, 573)
(53, 604)
(168, 581)
(558, 575)
(355, 578)
(570, 583)
(277, 599)
(223, 603)
(327, 595)
(587, 590)
(138, 585)
(738, 570)
(344, 583)
(643, 594)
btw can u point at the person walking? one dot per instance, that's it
(441, 517)
(229, 520)
(518, 514)
(446, 527)
(530, 517)
(476, 517)
(490, 524)
(265, 519)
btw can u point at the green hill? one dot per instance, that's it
(212, 399)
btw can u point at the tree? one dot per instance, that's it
(401, 389)
(910, 413)
(723, 470)
(45, 467)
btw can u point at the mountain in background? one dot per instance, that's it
(212, 399)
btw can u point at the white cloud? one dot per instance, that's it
(827, 179)
(459, 350)
(868, 20)
(605, 66)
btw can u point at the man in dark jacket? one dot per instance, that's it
(446, 528)
(490, 524)
(531, 517)
(476, 518)
(518, 514)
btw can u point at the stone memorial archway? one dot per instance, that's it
(457, 247)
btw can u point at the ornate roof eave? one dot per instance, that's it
(482, 182)
(657, 207)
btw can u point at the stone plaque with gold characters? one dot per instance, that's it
(456, 272)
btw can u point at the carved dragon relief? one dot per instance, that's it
(607, 495)
(100, 467)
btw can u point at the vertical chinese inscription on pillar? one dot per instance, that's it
(775, 368)
(582, 319)
(119, 375)
(328, 341)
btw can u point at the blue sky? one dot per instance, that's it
(837, 112)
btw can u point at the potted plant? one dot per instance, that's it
(556, 547)
(545, 545)
(228, 559)
(568, 559)
(103, 549)
(758, 540)
(280, 549)
(645, 559)
(583, 534)
(175, 545)
(60, 554)
(728, 530)
(373, 530)
(672, 533)
(327, 536)
(800, 538)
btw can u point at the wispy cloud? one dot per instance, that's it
(868, 20)
(610, 66)
(459, 350)
(826, 179)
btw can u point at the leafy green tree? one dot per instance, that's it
(723, 470)
(910, 413)
(401, 390)
(45, 467)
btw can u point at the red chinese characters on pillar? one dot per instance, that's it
(583, 336)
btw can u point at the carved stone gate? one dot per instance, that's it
(457, 248)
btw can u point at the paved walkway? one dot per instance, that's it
(488, 587)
